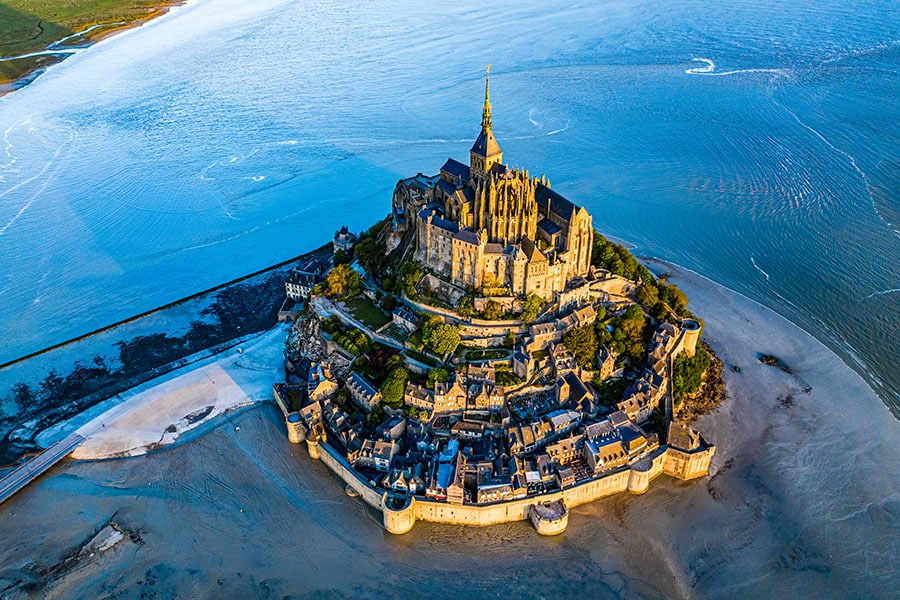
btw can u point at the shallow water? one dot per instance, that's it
(802, 502)
(756, 144)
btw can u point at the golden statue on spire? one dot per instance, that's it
(486, 122)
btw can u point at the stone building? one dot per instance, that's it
(343, 240)
(486, 226)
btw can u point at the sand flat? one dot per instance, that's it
(157, 416)
(803, 501)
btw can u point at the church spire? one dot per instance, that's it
(486, 122)
(485, 152)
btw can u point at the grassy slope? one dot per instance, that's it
(31, 25)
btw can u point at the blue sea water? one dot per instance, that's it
(756, 143)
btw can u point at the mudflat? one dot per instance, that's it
(802, 483)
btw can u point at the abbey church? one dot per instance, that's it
(488, 227)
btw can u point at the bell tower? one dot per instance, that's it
(485, 152)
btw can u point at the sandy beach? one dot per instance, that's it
(804, 479)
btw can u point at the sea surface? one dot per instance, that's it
(757, 143)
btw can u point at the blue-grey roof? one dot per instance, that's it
(548, 227)
(558, 204)
(406, 314)
(468, 194)
(361, 383)
(447, 186)
(486, 144)
(456, 168)
(445, 224)
(302, 278)
(468, 236)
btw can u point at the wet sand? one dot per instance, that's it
(803, 501)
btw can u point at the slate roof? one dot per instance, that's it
(456, 168)
(445, 225)
(302, 278)
(548, 226)
(468, 236)
(361, 385)
(468, 194)
(447, 186)
(486, 144)
(558, 204)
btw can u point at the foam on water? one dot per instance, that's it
(106, 153)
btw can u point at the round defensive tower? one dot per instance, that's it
(639, 476)
(550, 518)
(295, 430)
(398, 512)
(312, 444)
(691, 335)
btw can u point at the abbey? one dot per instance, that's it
(488, 227)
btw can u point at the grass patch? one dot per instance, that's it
(32, 25)
(505, 378)
(486, 354)
(367, 313)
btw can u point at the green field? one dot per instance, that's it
(32, 25)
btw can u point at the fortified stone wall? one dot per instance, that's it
(680, 464)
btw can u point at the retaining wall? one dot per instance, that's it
(636, 479)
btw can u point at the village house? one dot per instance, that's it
(449, 396)
(643, 396)
(416, 396)
(565, 451)
(299, 285)
(364, 393)
(321, 384)
(406, 318)
(376, 454)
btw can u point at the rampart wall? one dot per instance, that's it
(635, 479)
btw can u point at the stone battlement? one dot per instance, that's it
(400, 512)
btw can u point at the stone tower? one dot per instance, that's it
(485, 152)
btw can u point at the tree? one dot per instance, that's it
(629, 336)
(437, 375)
(688, 373)
(344, 399)
(370, 253)
(510, 341)
(342, 257)
(389, 303)
(647, 295)
(582, 341)
(442, 339)
(343, 282)
(610, 391)
(410, 274)
(531, 308)
(493, 311)
(393, 387)
(465, 308)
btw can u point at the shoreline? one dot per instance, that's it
(858, 366)
(53, 54)
(656, 265)
(767, 518)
